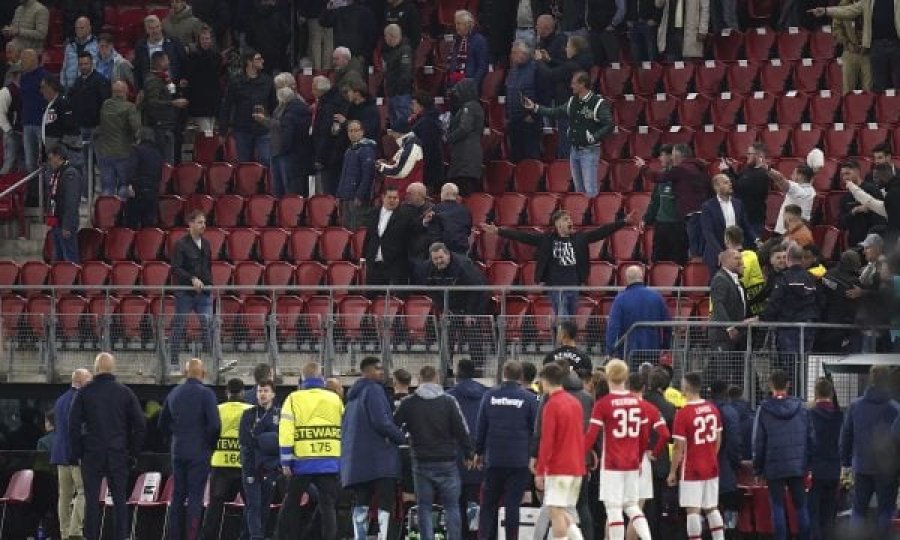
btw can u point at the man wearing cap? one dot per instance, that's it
(871, 308)
(406, 166)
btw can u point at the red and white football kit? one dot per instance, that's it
(621, 417)
(655, 423)
(699, 426)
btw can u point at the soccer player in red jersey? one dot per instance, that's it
(560, 460)
(655, 424)
(620, 415)
(698, 434)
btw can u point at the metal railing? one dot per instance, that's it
(750, 360)
(45, 330)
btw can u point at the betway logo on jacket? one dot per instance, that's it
(507, 402)
(321, 432)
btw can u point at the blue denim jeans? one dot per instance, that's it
(258, 498)
(249, 144)
(64, 249)
(114, 173)
(695, 235)
(439, 478)
(565, 303)
(798, 496)
(584, 162)
(12, 152)
(643, 42)
(884, 488)
(283, 181)
(399, 108)
(31, 142)
(185, 303)
(190, 482)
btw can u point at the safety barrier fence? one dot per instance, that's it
(750, 359)
(46, 331)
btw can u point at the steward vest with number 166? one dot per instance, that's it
(228, 447)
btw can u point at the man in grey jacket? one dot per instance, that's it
(120, 125)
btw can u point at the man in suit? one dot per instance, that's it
(728, 304)
(717, 214)
(385, 248)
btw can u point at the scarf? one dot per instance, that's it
(462, 56)
(53, 187)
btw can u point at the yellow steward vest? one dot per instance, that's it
(311, 424)
(228, 447)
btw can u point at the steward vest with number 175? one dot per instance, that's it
(228, 447)
(309, 431)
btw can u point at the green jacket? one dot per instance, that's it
(662, 207)
(589, 115)
(120, 125)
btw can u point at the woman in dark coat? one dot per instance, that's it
(426, 124)
(464, 136)
(203, 74)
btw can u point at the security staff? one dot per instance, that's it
(225, 478)
(189, 415)
(259, 456)
(309, 433)
(106, 428)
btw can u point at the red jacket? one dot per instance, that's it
(562, 438)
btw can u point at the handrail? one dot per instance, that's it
(11, 189)
(358, 288)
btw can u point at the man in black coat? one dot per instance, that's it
(447, 269)
(60, 127)
(563, 259)
(64, 198)
(405, 13)
(417, 205)
(155, 38)
(328, 160)
(426, 124)
(106, 431)
(385, 247)
(191, 267)
(354, 27)
(450, 222)
(250, 91)
(86, 96)
(145, 163)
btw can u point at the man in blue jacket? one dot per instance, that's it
(370, 457)
(637, 303)
(730, 497)
(450, 221)
(505, 422)
(868, 446)
(783, 441)
(190, 416)
(468, 393)
(71, 517)
(354, 188)
(825, 466)
(260, 464)
(523, 126)
(106, 431)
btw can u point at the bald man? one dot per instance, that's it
(728, 303)
(106, 430)
(120, 125)
(191, 417)
(417, 205)
(637, 303)
(717, 214)
(83, 41)
(33, 105)
(71, 516)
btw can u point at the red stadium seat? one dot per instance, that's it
(248, 178)
(614, 143)
(758, 43)
(228, 209)
(502, 273)
(247, 274)
(676, 135)
(490, 247)
(320, 210)
(197, 201)
(774, 75)
(171, 208)
(775, 138)
(94, 274)
(808, 74)
(636, 202)
(303, 244)
(491, 82)
(823, 107)
(740, 139)
(187, 178)
(205, 148)
(357, 239)
(289, 212)
(758, 108)
(822, 44)
(601, 274)
(333, 244)
(708, 77)
(527, 176)
(791, 43)
(695, 274)
(520, 251)
(341, 273)
(727, 45)
(540, 207)
(239, 244)
(117, 245)
(64, 274)
(660, 110)
(279, 274)
(870, 136)
(790, 107)
(166, 181)
(646, 78)
(887, 107)
(627, 110)
(622, 175)
(804, 138)
(709, 142)
(559, 176)
(623, 244)
(838, 139)
(218, 178)
(577, 205)
(725, 109)
(260, 210)
(615, 80)
(155, 274)
(90, 243)
(643, 141)
(106, 211)
(272, 243)
(309, 273)
(288, 312)
(677, 78)
(693, 110)
(509, 208)
(664, 274)
(216, 237)
(828, 240)
(498, 176)
(773, 205)
(124, 274)
(148, 244)
(741, 77)
(856, 107)
(480, 205)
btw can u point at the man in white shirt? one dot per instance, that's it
(716, 215)
(798, 190)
